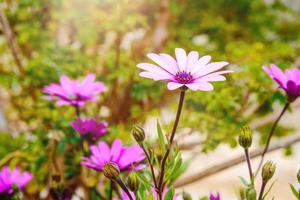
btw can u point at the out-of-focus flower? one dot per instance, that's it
(126, 158)
(10, 178)
(74, 92)
(89, 127)
(289, 80)
(186, 70)
(214, 197)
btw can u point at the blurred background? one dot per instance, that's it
(43, 39)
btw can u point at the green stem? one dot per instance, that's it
(261, 193)
(164, 160)
(271, 135)
(150, 164)
(249, 165)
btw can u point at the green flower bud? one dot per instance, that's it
(186, 196)
(245, 137)
(250, 194)
(138, 133)
(298, 176)
(111, 170)
(268, 171)
(133, 182)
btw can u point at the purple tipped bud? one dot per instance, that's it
(138, 133)
(268, 171)
(111, 170)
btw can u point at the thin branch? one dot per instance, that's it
(235, 161)
(11, 40)
(270, 136)
(249, 165)
(151, 165)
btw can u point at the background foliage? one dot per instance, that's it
(109, 37)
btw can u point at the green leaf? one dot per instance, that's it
(269, 189)
(143, 179)
(161, 138)
(245, 183)
(170, 194)
(294, 191)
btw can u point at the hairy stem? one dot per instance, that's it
(111, 190)
(262, 189)
(164, 160)
(124, 188)
(249, 165)
(271, 135)
(150, 164)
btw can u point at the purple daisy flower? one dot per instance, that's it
(213, 197)
(124, 157)
(289, 80)
(186, 70)
(10, 178)
(74, 92)
(89, 127)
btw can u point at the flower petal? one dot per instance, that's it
(192, 59)
(200, 64)
(154, 76)
(162, 62)
(204, 86)
(181, 58)
(174, 85)
(154, 69)
(211, 67)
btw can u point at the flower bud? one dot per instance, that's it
(245, 137)
(250, 194)
(186, 196)
(132, 182)
(111, 170)
(298, 176)
(268, 171)
(138, 133)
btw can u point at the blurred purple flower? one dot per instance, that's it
(126, 158)
(187, 70)
(213, 197)
(10, 178)
(74, 92)
(89, 127)
(288, 80)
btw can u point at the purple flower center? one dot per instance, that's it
(183, 77)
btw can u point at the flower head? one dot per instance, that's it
(74, 92)
(213, 197)
(10, 178)
(289, 80)
(89, 127)
(186, 70)
(124, 157)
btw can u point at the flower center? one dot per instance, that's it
(184, 77)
